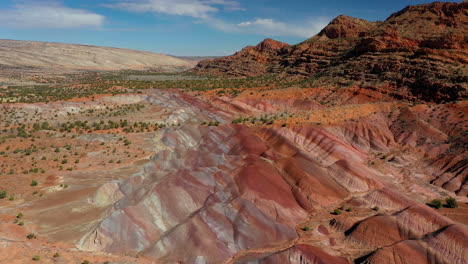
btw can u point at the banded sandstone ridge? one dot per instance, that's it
(46, 56)
(248, 192)
(420, 51)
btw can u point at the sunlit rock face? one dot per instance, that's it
(209, 192)
(198, 199)
(237, 194)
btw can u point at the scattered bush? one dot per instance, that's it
(336, 212)
(36, 258)
(34, 183)
(436, 203)
(3, 194)
(451, 202)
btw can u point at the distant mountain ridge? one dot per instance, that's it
(421, 50)
(46, 55)
(196, 58)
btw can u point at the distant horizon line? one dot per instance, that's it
(112, 47)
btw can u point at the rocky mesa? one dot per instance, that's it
(420, 51)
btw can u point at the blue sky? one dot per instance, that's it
(180, 27)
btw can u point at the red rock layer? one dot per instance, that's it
(420, 51)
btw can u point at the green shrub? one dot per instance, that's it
(85, 262)
(451, 202)
(305, 228)
(3, 194)
(376, 208)
(436, 203)
(337, 212)
(34, 183)
(36, 258)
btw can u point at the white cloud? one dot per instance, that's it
(273, 28)
(48, 15)
(192, 8)
(228, 5)
(204, 11)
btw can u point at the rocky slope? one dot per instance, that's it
(250, 61)
(420, 51)
(260, 193)
(56, 56)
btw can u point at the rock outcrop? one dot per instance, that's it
(250, 61)
(419, 51)
(347, 27)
